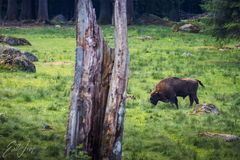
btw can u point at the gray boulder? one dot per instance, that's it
(59, 19)
(13, 59)
(12, 41)
(189, 28)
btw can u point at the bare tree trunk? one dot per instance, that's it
(43, 11)
(11, 10)
(94, 61)
(115, 109)
(98, 95)
(105, 16)
(26, 10)
(130, 11)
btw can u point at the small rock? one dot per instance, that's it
(57, 26)
(187, 54)
(205, 108)
(189, 28)
(46, 126)
(145, 38)
(12, 41)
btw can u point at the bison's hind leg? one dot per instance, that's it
(196, 98)
(191, 100)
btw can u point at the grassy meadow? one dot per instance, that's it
(28, 101)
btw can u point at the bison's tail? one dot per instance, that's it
(200, 83)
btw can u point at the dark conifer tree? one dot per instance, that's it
(12, 10)
(175, 10)
(105, 16)
(1, 8)
(43, 11)
(224, 17)
(130, 11)
(26, 10)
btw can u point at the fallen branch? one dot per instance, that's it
(225, 137)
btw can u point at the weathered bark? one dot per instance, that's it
(26, 10)
(43, 11)
(130, 11)
(114, 114)
(105, 15)
(11, 10)
(98, 95)
(94, 61)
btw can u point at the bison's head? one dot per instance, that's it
(158, 96)
(155, 97)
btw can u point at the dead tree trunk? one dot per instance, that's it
(115, 109)
(99, 90)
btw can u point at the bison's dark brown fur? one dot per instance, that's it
(167, 90)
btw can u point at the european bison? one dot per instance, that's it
(167, 90)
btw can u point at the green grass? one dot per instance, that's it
(27, 101)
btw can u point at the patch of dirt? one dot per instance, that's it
(57, 63)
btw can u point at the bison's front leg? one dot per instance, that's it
(175, 101)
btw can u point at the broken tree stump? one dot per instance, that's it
(99, 90)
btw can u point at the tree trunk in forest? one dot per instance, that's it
(99, 90)
(105, 16)
(75, 10)
(12, 11)
(175, 11)
(1, 4)
(26, 10)
(43, 11)
(130, 11)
